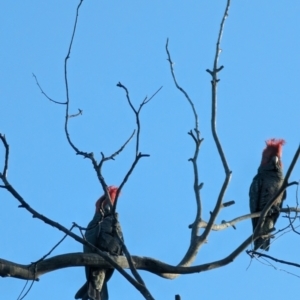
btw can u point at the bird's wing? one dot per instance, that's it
(255, 195)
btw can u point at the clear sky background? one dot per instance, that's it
(125, 41)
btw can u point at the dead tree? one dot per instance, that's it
(200, 228)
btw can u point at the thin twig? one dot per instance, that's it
(42, 91)
(252, 252)
(32, 282)
(196, 138)
(297, 189)
(292, 226)
(134, 271)
(78, 152)
(80, 111)
(23, 290)
(112, 156)
(138, 154)
(6, 146)
(180, 88)
(136, 160)
(146, 100)
(55, 246)
(226, 224)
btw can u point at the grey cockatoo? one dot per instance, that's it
(104, 232)
(264, 186)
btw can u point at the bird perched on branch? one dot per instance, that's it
(264, 186)
(104, 232)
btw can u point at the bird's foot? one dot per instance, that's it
(274, 210)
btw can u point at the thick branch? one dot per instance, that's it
(157, 267)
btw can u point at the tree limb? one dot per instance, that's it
(214, 83)
(252, 252)
(226, 224)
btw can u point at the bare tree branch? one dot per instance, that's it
(55, 246)
(42, 91)
(28, 290)
(196, 138)
(157, 267)
(197, 241)
(149, 264)
(112, 156)
(180, 88)
(132, 266)
(226, 224)
(252, 252)
(291, 223)
(6, 147)
(80, 111)
(214, 83)
(138, 154)
(78, 152)
(146, 100)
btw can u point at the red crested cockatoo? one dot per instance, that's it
(264, 186)
(104, 232)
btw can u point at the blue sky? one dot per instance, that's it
(125, 41)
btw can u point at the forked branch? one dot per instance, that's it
(197, 241)
(214, 84)
(195, 134)
(138, 154)
(252, 252)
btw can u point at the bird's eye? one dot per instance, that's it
(106, 209)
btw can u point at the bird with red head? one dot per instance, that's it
(103, 204)
(264, 187)
(105, 233)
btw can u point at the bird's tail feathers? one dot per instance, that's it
(82, 292)
(262, 244)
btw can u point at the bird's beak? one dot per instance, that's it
(276, 161)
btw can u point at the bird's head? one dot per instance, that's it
(103, 204)
(271, 156)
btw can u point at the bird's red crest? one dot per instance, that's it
(274, 148)
(112, 190)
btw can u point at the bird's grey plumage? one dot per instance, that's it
(264, 186)
(104, 232)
